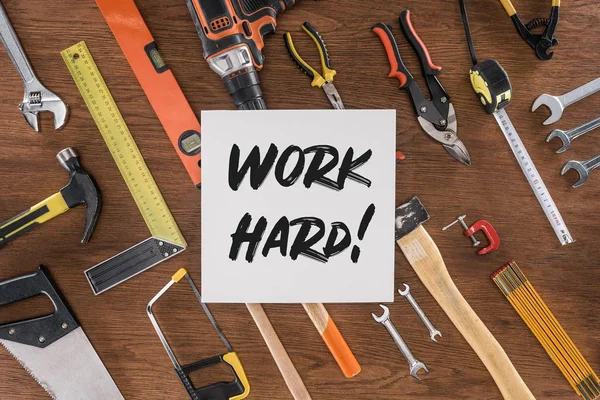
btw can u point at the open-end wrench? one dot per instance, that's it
(583, 167)
(414, 364)
(557, 104)
(37, 97)
(406, 294)
(570, 135)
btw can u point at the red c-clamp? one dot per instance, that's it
(480, 225)
(489, 232)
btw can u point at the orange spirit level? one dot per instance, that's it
(157, 80)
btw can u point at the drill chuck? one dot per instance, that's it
(244, 88)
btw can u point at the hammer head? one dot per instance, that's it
(82, 189)
(409, 216)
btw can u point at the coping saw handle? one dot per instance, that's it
(42, 331)
(238, 389)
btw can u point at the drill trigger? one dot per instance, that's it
(489, 232)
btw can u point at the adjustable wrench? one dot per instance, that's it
(432, 331)
(572, 134)
(557, 104)
(37, 97)
(414, 364)
(583, 167)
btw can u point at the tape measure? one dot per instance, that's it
(490, 82)
(533, 177)
(166, 239)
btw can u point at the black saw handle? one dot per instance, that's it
(428, 67)
(42, 331)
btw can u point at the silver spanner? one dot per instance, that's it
(406, 294)
(414, 364)
(37, 97)
(557, 104)
(572, 134)
(583, 167)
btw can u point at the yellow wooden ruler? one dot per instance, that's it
(166, 240)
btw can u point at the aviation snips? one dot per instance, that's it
(436, 115)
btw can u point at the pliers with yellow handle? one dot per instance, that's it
(540, 43)
(324, 81)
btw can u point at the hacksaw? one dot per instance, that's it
(166, 240)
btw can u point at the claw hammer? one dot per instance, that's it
(81, 189)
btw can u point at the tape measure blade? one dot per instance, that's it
(121, 144)
(533, 177)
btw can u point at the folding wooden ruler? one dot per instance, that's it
(166, 240)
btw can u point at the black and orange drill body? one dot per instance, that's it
(240, 25)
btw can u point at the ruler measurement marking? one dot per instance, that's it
(534, 178)
(121, 144)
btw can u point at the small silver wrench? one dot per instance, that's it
(570, 135)
(406, 294)
(414, 364)
(557, 104)
(583, 167)
(37, 97)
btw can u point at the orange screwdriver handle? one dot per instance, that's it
(489, 232)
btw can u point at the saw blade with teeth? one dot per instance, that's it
(53, 349)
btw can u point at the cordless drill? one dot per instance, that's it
(232, 34)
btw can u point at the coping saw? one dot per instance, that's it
(166, 240)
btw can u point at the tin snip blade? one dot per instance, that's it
(237, 389)
(54, 349)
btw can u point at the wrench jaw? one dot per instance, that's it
(43, 100)
(435, 333)
(554, 105)
(580, 168)
(416, 367)
(405, 292)
(557, 133)
(384, 317)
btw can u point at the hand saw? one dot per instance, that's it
(54, 349)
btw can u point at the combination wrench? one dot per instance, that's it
(583, 167)
(37, 97)
(568, 136)
(557, 104)
(406, 294)
(414, 364)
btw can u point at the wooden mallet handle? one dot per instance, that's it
(333, 339)
(281, 357)
(425, 258)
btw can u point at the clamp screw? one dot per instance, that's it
(461, 219)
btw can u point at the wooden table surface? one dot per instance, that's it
(493, 188)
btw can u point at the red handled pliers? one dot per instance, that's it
(436, 115)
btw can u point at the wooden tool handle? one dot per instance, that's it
(281, 357)
(425, 258)
(333, 339)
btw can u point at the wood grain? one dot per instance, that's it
(493, 188)
(424, 257)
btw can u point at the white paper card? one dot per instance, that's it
(316, 209)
